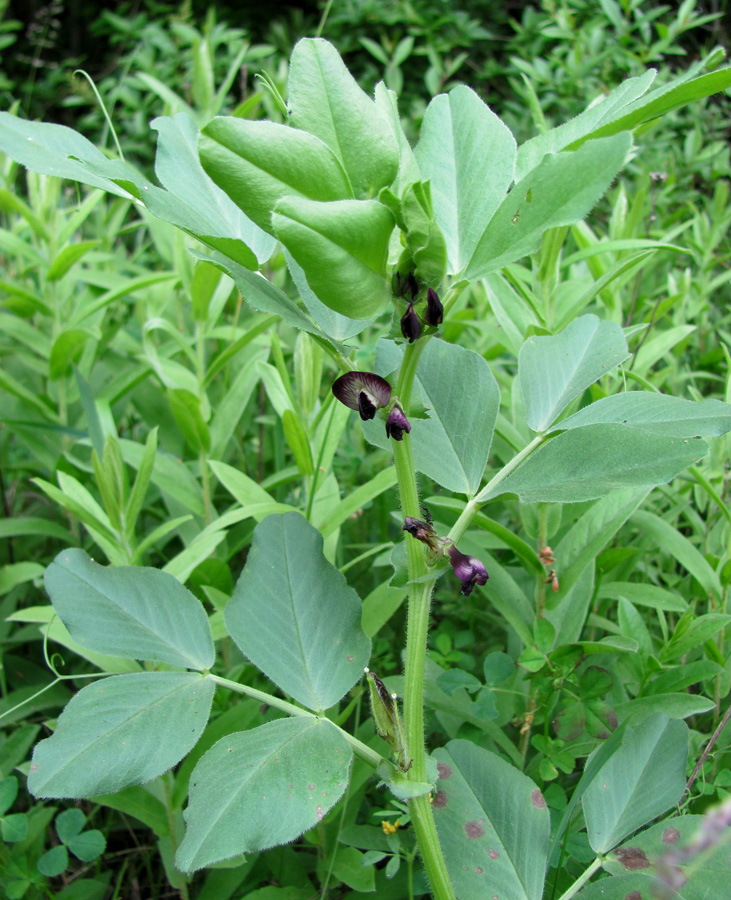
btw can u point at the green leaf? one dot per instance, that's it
(640, 594)
(259, 163)
(556, 369)
(259, 788)
(468, 155)
(122, 730)
(88, 846)
(294, 616)
(193, 202)
(351, 868)
(136, 612)
(296, 437)
(559, 191)
(69, 824)
(326, 101)
(493, 824)
(54, 862)
(643, 779)
(67, 257)
(676, 842)
(53, 150)
(14, 828)
(586, 463)
(662, 534)
(656, 413)
(66, 350)
(461, 395)
(699, 631)
(585, 124)
(342, 248)
(186, 410)
(8, 793)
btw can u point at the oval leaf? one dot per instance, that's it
(556, 369)
(586, 463)
(559, 191)
(493, 825)
(123, 730)
(294, 616)
(325, 100)
(130, 611)
(643, 779)
(468, 155)
(656, 413)
(342, 248)
(258, 163)
(260, 788)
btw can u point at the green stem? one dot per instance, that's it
(470, 511)
(580, 882)
(416, 642)
(362, 750)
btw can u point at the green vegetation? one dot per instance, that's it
(208, 532)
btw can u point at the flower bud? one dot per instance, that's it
(434, 314)
(397, 423)
(411, 324)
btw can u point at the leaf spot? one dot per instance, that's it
(311, 787)
(440, 800)
(444, 771)
(632, 858)
(537, 799)
(474, 830)
(670, 836)
(479, 870)
(493, 854)
(320, 813)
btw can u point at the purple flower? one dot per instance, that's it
(469, 570)
(363, 391)
(411, 324)
(434, 310)
(397, 423)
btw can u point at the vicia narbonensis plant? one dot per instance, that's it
(378, 235)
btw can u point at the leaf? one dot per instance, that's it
(136, 612)
(556, 369)
(217, 219)
(326, 101)
(122, 730)
(342, 247)
(66, 350)
(14, 828)
(53, 150)
(53, 862)
(640, 594)
(259, 163)
(468, 155)
(657, 414)
(67, 257)
(350, 867)
(643, 779)
(493, 824)
(583, 126)
(662, 534)
(259, 788)
(294, 616)
(559, 191)
(461, 396)
(586, 463)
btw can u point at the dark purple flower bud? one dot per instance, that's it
(410, 324)
(434, 314)
(411, 286)
(363, 391)
(469, 570)
(397, 423)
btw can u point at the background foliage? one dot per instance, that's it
(152, 418)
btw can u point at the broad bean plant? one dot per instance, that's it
(387, 242)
